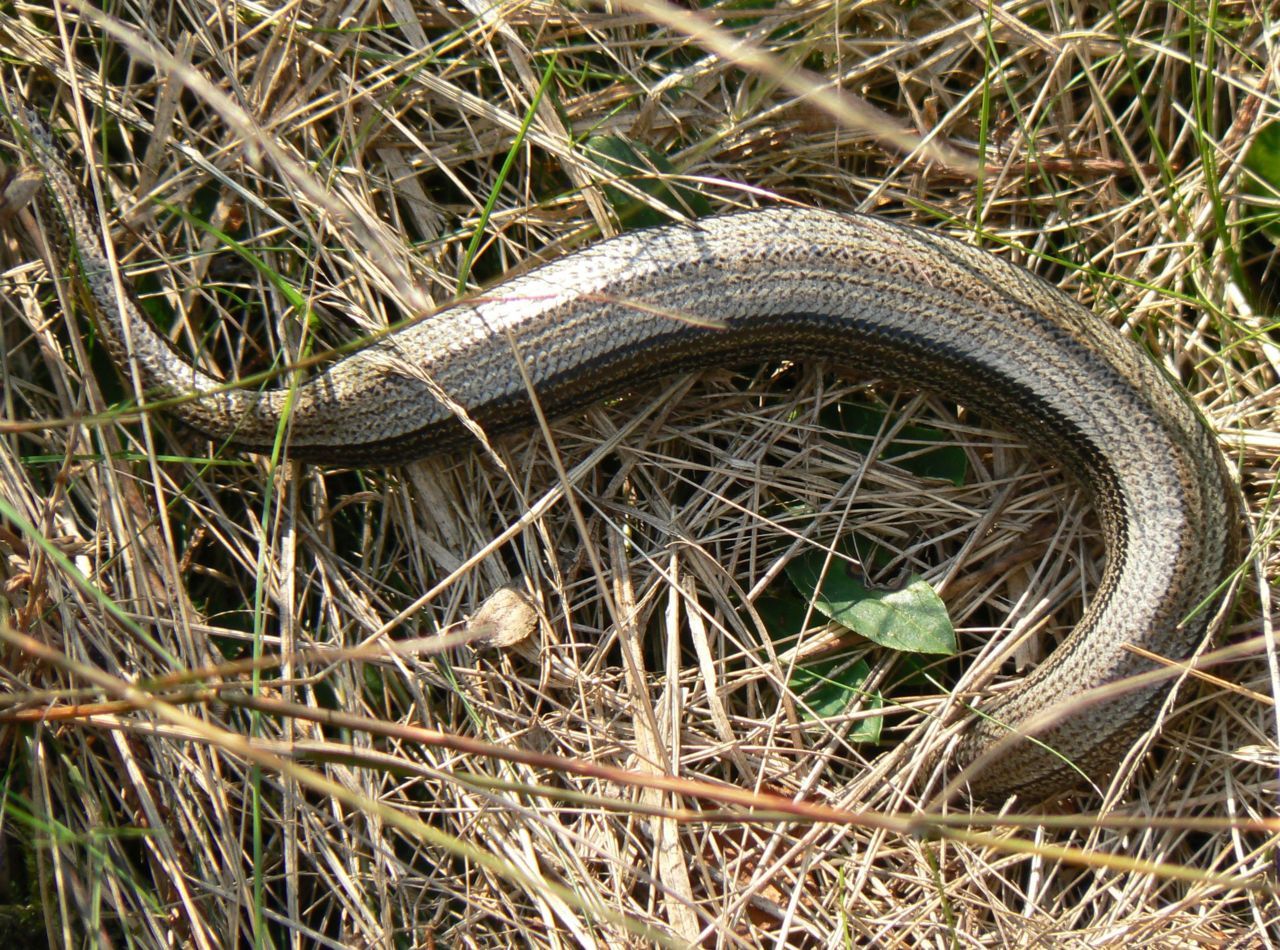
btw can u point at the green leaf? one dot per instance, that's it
(827, 686)
(784, 617)
(912, 618)
(644, 168)
(1263, 161)
(913, 448)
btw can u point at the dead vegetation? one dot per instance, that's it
(366, 155)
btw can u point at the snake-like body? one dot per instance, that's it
(854, 290)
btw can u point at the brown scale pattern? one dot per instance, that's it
(896, 301)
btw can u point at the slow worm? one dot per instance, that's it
(863, 292)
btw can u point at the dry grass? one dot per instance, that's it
(1110, 140)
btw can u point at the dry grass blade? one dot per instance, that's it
(285, 181)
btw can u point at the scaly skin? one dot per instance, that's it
(858, 291)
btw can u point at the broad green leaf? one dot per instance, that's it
(643, 167)
(1263, 162)
(912, 618)
(911, 448)
(826, 686)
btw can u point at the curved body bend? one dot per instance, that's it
(856, 291)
